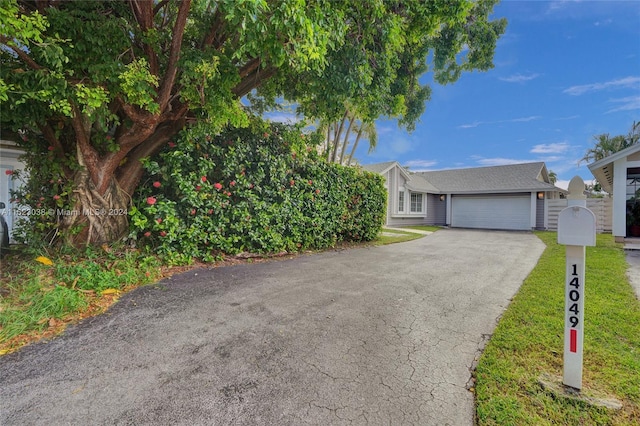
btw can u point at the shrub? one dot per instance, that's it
(261, 189)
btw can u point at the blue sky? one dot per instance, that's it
(564, 72)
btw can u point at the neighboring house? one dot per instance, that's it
(619, 175)
(9, 160)
(511, 197)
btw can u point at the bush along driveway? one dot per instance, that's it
(378, 334)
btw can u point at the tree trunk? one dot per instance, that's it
(95, 218)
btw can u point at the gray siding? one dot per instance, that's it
(436, 210)
(540, 213)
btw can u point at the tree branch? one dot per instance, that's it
(129, 174)
(21, 54)
(87, 155)
(174, 54)
(143, 12)
(253, 80)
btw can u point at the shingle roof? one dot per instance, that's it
(509, 178)
(379, 167)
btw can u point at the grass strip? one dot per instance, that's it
(528, 343)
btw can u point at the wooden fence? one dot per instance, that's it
(601, 207)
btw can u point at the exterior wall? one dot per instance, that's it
(540, 219)
(601, 207)
(9, 160)
(436, 210)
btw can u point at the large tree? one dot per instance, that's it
(105, 84)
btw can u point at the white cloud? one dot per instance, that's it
(627, 104)
(523, 119)
(513, 120)
(420, 165)
(519, 78)
(564, 184)
(627, 82)
(560, 4)
(498, 161)
(571, 117)
(605, 22)
(551, 148)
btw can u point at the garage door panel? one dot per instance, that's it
(498, 212)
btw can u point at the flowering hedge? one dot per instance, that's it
(259, 189)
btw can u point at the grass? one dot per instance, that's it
(37, 300)
(528, 343)
(399, 236)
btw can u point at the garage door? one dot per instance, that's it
(491, 212)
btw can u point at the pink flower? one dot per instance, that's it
(193, 212)
(159, 220)
(51, 148)
(292, 182)
(198, 187)
(217, 186)
(147, 234)
(251, 186)
(56, 197)
(172, 144)
(232, 183)
(317, 191)
(157, 184)
(163, 234)
(210, 211)
(227, 193)
(151, 200)
(310, 182)
(8, 172)
(203, 178)
(265, 134)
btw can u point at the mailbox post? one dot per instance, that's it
(576, 230)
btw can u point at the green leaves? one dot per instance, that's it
(259, 189)
(138, 85)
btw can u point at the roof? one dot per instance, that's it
(379, 167)
(525, 177)
(602, 169)
(414, 182)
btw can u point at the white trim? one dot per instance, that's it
(619, 220)
(533, 209)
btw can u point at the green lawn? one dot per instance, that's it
(528, 343)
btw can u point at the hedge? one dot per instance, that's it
(260, 189)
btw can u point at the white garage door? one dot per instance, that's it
(491, 212)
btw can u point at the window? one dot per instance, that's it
(401, 201)
(416, 203)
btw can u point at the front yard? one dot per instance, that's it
(527, 345)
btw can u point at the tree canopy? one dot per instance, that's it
(605, 145)
(97, 86)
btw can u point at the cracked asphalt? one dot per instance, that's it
(379, 335)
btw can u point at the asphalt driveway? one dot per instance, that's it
(380, 335)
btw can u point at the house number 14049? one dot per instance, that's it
(574, 296)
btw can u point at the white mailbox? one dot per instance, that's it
(576, 230)
(577, 227)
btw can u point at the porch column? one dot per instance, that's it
(619, 198)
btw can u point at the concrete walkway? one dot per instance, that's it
(633, 272)
(378, 335)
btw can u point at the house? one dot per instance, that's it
(619, 175)
(9, 161)
(511, 197)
